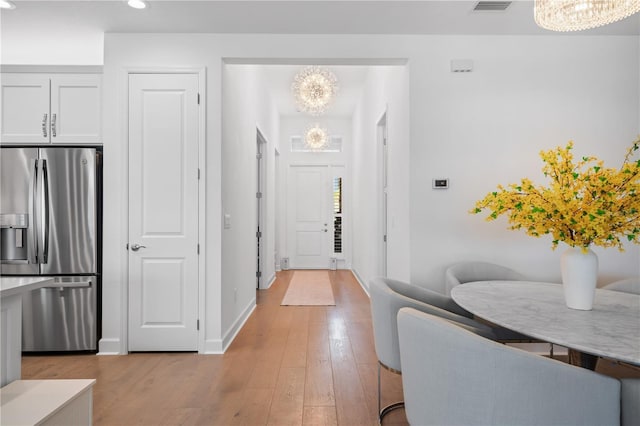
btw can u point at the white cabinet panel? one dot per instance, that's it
(75, 109)
(46, 108)
(25, 108)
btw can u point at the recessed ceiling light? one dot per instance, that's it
(6, 4)
(137, 4)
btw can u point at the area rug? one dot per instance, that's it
(309, 288)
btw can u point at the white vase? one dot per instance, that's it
(579, 277)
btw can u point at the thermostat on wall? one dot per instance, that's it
(440, 183)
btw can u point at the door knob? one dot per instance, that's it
(136, 247)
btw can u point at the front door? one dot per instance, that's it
(309, 197)
(163, 212)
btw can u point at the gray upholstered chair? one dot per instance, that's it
(454, 377)
(387, 297)
(464, 272)
(629, 285)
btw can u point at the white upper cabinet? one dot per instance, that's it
(50, 108)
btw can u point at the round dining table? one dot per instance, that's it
(611, 329)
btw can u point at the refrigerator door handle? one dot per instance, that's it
(45, 213)
(32, 233)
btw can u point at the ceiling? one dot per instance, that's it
(38, 22)
(350, 79)
(286, 17)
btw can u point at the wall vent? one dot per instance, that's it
(492, 6)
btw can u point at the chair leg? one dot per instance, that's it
(383, 411)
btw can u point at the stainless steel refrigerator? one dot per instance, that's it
(50, 225)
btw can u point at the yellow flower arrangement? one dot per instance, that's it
(584, 204)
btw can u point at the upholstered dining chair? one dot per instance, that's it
(464, 272)
(629, 285)
(387, 297)
(454, 377)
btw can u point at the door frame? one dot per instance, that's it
(124, 118)
(382, 141)
(261, 204)
(288, 221)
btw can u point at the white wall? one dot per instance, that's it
(386, 89)
(483, 128)
(479, 129)
(246, 105)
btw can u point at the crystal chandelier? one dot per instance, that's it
(316, 137)
(576, 15)
(313, 89)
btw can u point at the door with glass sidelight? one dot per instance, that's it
(315, 215)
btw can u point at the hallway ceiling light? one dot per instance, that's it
(137, 4)
(316, 137)
(6, 4)
(576, 15)
(313, 89)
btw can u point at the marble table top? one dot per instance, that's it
(14, 285)
(611, 329)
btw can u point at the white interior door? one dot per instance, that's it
(163, 212)
(309, 197)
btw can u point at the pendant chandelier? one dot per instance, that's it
(313, 89)
(316, 137)
(576, 15)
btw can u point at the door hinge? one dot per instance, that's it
(127, 246)
(259, 156)
(198, 248)
(197, 324)
(198, 174)
(258, 274)
(258, 234)
(198, 98)
(258, 194)
(385, 238)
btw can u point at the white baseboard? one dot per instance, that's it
(237, 325)
(213, 347)
(110, 347)
(271, 281)
(361, 282)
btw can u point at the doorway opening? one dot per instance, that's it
(260, 207)
(384, 161)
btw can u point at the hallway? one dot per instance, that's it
(289, 365)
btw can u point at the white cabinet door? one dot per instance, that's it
(75, 108)
(25, 108)
(309, 194)
(44, 108)
(163, 212)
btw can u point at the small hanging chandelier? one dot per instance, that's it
(316, 137)
(313, 89)
(577, 15)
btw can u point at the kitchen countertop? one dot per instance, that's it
(15, 285)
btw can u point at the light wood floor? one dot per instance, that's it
(289, 365)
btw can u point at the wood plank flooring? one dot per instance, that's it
(289, 365)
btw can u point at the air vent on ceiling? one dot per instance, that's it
(492, 5)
